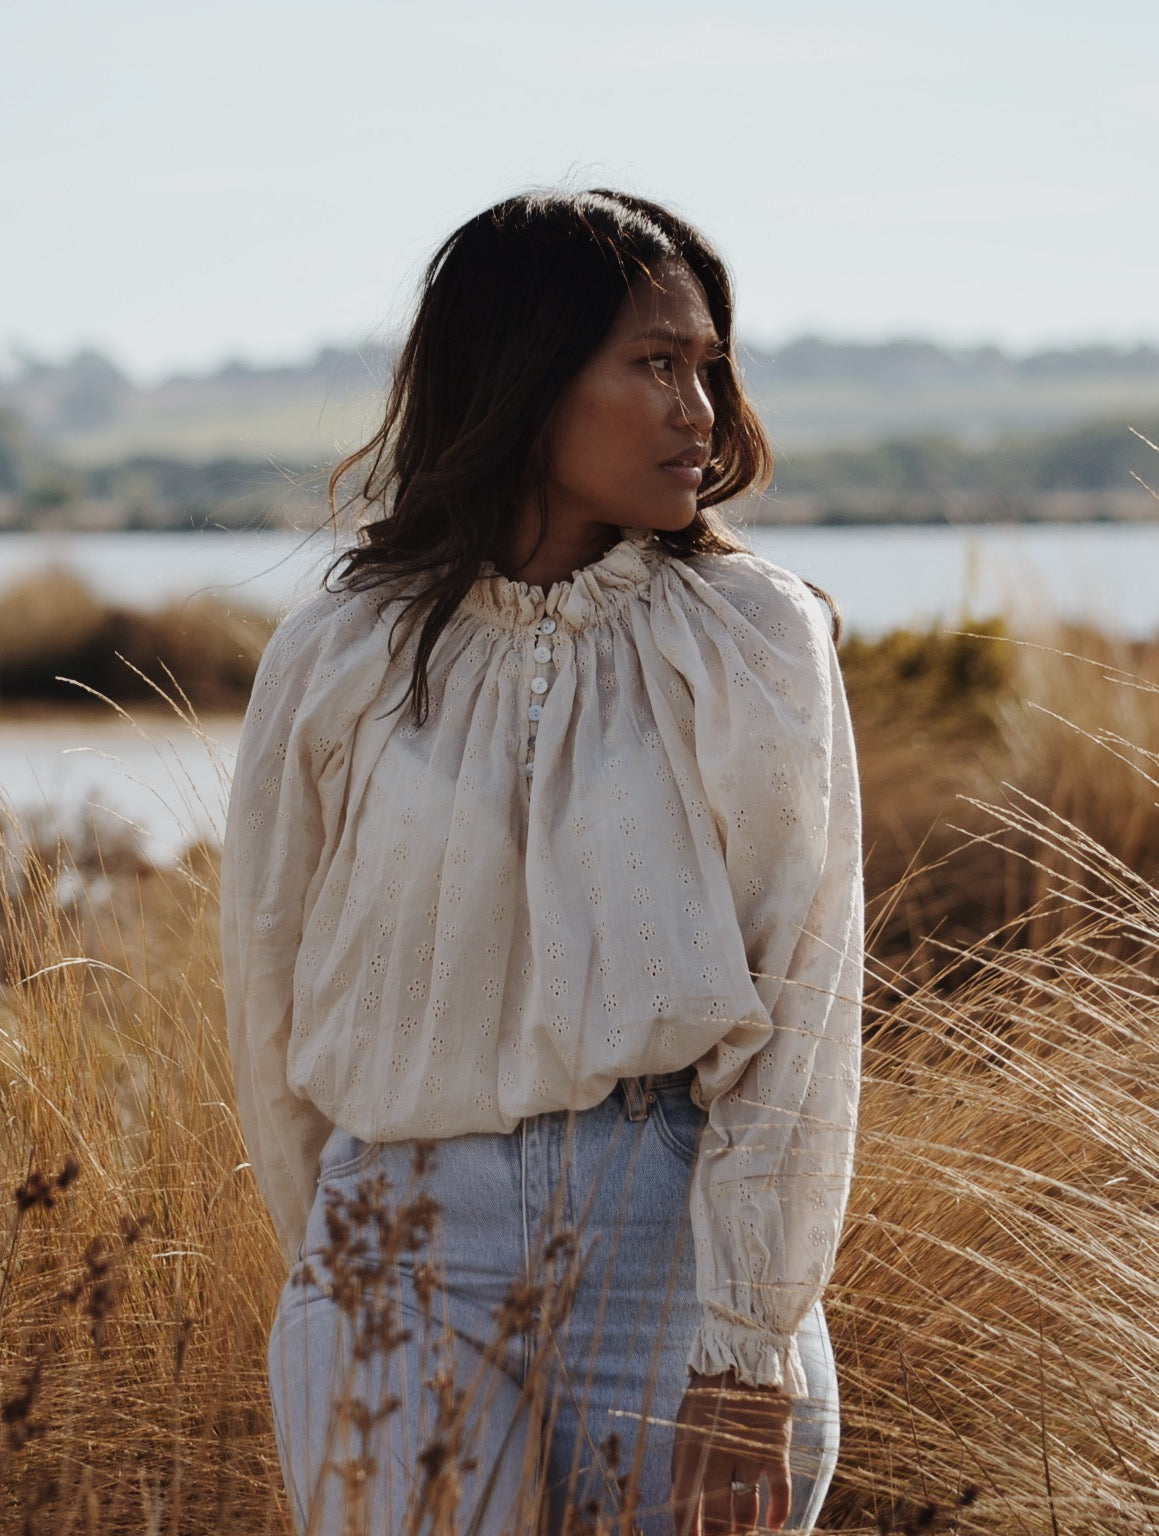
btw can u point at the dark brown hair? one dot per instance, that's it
(512, 306)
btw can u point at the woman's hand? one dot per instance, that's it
(728, 1437)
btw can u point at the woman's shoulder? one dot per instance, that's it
(327, 653)
(330, 623)
(318, 620)
(775, 601)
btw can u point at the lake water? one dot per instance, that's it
(151, 782)
(883, 577)
(162, 778)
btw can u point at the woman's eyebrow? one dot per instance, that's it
(709, 340)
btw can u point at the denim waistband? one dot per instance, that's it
(639, 1093)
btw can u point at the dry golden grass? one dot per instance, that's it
(112, 1054)
(994, 1304)
(1071, 722)
(995, 1299)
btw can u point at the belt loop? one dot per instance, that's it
(633, 1091)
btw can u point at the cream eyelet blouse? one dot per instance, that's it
(626, 840)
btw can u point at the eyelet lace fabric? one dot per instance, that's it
(626, 840)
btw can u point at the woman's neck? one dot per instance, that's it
(558, 555)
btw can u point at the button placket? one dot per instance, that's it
(540, 686)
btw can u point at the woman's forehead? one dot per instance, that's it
(669, 301)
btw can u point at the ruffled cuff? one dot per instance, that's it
(759, 1359)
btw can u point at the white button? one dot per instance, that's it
(535, 712)
(529, 768)
(539, 685)
(542, 653)
(547, 626)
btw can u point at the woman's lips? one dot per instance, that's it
(686, 472)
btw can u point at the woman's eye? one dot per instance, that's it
(661, 362)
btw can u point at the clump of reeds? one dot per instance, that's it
(1070, 720)
(55, 633)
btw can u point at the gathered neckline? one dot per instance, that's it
(577, 600)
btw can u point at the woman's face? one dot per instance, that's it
(632, 432)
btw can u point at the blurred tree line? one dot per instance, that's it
(1084, 473)
(1087, 472)
(41, 490)
(68, 457)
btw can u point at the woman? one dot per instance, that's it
(543, 849)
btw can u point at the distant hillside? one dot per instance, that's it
(815, 393)
(812, 393)
(905, 431)
(88, 412)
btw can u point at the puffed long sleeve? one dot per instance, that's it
(284, 817)
(772, 1177)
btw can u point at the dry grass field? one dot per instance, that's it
(995, 1305)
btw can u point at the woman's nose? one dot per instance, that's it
(694, 404)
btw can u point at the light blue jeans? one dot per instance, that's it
(518, 1354)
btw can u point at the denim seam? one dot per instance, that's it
(526, 1238)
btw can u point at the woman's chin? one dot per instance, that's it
(668, 519)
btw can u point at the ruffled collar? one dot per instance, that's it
(595, 589)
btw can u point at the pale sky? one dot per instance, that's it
(253, 178)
